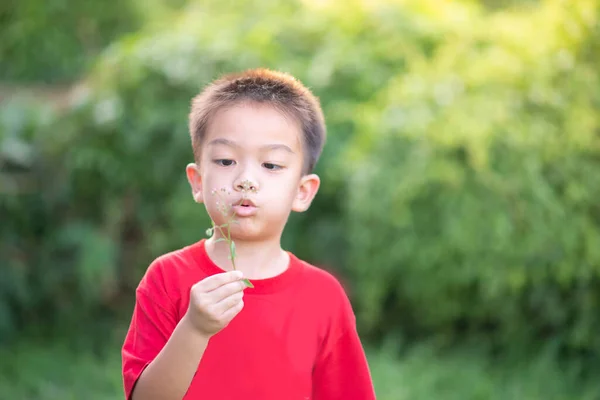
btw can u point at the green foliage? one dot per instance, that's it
(463, 374)
(50, 41)
(475, 208)
(111, 168)
(58, 370)
(29, 371)
(460, 173)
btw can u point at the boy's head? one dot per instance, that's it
(257, 134)
(261, 87)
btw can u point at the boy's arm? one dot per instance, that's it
(161, 355)
(341, 370)
(169, 375)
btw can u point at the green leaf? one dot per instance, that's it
(248, 283)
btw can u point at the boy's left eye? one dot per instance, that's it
(271, 166)
(224, 162)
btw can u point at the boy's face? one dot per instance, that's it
(256, 152)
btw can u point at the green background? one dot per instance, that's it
(460, 203)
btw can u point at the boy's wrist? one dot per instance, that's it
(191, 329)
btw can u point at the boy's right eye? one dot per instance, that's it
(224, 162)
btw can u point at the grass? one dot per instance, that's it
(31, 371)
(466, 375)
(37, 372)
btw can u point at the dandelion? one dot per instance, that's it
(226, 210)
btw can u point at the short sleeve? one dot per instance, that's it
(341, 370)
(151, 325)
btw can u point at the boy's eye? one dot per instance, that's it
(271, 166)
(224, 162)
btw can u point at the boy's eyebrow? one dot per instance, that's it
(230, 143)
(278, 147)
(223, 141)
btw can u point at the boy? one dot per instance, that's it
(198, 331)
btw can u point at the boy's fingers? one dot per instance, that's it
(228, 302)
(222, 292)
(215, 281)
(232, 311)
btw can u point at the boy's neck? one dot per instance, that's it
(256, 259)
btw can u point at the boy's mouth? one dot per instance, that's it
(247, 203)
(246, 208)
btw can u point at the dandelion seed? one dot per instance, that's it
(225, 209)
(247, 186)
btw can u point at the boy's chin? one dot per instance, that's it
(249, 233)
(245, 231)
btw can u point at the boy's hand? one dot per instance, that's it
(214, 301)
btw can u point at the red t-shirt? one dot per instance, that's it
(295, 338)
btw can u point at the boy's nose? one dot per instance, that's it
(246, 185)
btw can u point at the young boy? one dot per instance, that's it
(198, 331)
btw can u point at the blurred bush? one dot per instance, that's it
(106, 185)
(55, 41)
(473, 200)
(460, 174)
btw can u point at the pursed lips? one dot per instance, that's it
(246, 203)
(245, 209)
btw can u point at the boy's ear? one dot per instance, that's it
(307, 190)
(195, 179)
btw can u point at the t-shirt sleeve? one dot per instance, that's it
(341, 370)
(151, 325)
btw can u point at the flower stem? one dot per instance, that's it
(228, 239)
